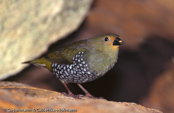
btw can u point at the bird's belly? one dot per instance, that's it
(73, 73)
(78, 78)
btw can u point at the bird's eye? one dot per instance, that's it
(106, 39)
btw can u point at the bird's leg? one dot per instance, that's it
(69, 92)
(84, 90)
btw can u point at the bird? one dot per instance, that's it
(82, 61)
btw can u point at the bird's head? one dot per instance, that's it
(108, 43)
(111, 40)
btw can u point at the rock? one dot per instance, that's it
(20, 97)
(27, 28)
(133, 21)
(162, 92)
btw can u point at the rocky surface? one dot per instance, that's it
(27, 28)
(15, 96)
(162, 91)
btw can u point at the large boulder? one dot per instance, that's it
(27, 28)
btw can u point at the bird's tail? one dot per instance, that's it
(40, 62)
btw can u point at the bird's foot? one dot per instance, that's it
(80, 96)
(89, 95)
(68, 94)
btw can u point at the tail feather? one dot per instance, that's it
(40, 62)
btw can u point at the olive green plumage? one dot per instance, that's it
(83, 61)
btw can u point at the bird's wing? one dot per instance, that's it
(64, 56)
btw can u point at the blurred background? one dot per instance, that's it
(144, 73)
